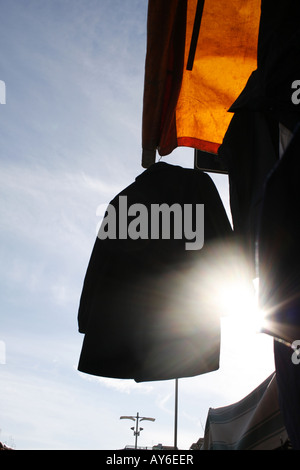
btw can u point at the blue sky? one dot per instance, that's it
(70, 139)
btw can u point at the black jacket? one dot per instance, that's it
(142, 310)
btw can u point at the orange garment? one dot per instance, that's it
(190, 107)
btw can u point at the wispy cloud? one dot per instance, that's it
(51, 207)
(163, 402)
(119, 385)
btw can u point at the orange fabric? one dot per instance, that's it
(163, 75)
(225, 57)
(189, 108)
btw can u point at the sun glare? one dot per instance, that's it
(238, 301)
(231, 289)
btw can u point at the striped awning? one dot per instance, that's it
(254, 423)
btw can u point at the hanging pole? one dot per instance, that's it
(195, 34)
(176, 414)
(136, 429)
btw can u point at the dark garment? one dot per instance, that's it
(269, 88)
(250, 148)
(279, 270)
(141, 307)
(251, 143)
(279, 251)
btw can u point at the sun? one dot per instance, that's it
(231, 288)
(238, 300)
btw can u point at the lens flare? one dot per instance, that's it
(227, 280)
(239, 301)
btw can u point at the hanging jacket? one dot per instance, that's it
(279, 272)
(250, 149)
(250, 145)
(279, 252)
(140, 309)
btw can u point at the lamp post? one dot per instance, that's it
(137, 430)
(176, 414)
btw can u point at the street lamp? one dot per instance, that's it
(137, 430)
